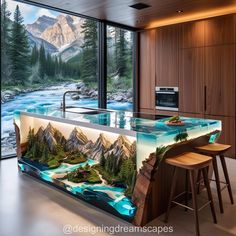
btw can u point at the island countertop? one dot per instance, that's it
(149, 132)
(79, 141)
(125, 122)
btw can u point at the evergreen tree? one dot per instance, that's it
(102, 160)
(121, 52)
(89, 60)
(50, 65)
(56, 66)
(34, 55)
(42, 61)
(19, 50)
(60, 65)
(5, 28)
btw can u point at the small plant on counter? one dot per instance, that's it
(181, 136)
(174, 119)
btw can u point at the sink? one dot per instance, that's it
(86, 111)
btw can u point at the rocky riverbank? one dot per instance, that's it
(9, 95)
(117, 95)
(11, 100)
(83, 92)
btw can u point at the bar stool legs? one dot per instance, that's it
(217, 178)
(172, 191)
(214, 150)
(194, 197)
(186, 189)
(206, 182)
(222, 159)
(193, 185)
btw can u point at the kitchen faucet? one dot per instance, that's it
(64, 98)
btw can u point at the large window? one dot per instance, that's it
(45, 53)
(119, 68)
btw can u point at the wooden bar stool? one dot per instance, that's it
(214, 150)
(191, 162)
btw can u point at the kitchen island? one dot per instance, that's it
(111, 159)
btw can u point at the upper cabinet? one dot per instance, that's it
(147, 70)
(220, 30)
(191, 80)
(192, 34)
(167, 45)
(220, 80)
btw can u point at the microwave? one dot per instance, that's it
(167, 98)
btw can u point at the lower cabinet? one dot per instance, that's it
(147, 111)
(228, 132)
(167, 113)
(195, 115)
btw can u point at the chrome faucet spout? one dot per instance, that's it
(64, 98)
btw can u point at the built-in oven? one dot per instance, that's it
(167, 98)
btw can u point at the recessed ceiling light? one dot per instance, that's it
(180, 11)
(140, 6)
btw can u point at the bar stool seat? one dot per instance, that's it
(190, 162)
(214, 150)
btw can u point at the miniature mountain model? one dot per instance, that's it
(115, 162)
(53, 137)
(100, 146)
(76, 140)
(121, 148)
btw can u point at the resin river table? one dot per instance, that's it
(111, 159)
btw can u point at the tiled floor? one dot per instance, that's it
(31, 208)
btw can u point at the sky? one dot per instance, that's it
(30, 13)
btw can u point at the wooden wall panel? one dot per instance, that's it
(191, 80)
(192, 34)
(220, 80)
(167, 44)
(147, 70)
(194, 115)
(219, 30)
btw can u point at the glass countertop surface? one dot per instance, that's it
(133, 121)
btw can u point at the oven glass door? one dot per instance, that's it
(167, 100)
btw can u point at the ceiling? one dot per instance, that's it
(160, 12)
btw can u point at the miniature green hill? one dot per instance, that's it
(84, 174)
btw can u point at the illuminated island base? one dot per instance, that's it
(111, 159)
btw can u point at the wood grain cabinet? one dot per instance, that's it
(191, 80)
(167, 44)
(147, 70)
(220, 80)
(192, 34)
(220, 30)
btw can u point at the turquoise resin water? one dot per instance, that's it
(116, 200)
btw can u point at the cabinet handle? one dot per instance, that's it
(205, 98)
